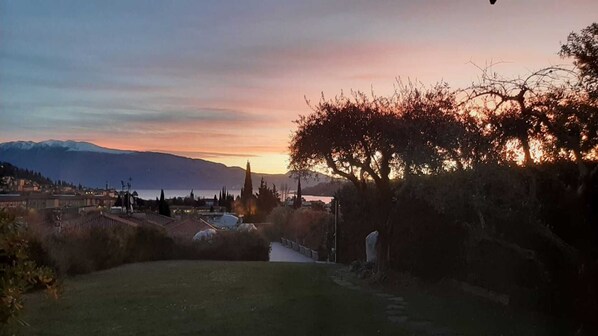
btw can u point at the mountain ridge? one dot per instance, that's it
(95, 166)
(71, 145)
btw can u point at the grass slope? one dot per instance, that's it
(208, 298)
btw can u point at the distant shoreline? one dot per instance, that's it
(150, 194)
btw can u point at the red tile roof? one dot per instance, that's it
(187, 228)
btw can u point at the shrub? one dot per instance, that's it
(427, 243)
(356, 221)
(85, 250)
(311, 228)
(226, 245)
(148, 244)
(18, 273)
(279, 217)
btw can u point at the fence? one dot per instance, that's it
(306, 251)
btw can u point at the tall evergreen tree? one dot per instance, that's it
(267, 199)
(247, 190)
(163, 207)
(247, 196)
(298, 201)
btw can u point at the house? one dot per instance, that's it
(105, 219)
(97, 219)
(210, 202)
(12, 201)
(41, 201)
(187, 228)
(225, 221)
(154, 218)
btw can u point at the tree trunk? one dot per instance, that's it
(385, 232)
(527, 156)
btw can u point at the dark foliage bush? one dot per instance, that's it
(308, 227)
(148, 244)
(18, 271)
(428, 244)
(270, 232)
(86, 250)
(356, 221)
(518, 231)
(280, 217)
(226, 245)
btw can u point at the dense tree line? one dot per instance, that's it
(7, 169)
(501, 152)
(225, 199)
(255, 207)
(266, 199)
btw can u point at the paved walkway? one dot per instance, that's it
(283, 254)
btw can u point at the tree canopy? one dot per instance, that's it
(549, 115)
(583, 47)
(369, 138)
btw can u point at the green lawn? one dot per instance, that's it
(257, 298)
(208, 298)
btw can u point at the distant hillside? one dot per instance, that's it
(6, 169)
(324, 188)
(94, 166)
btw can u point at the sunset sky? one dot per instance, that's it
(224, 80)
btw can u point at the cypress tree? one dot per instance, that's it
(163, 208)
(161, 202)
(297, 203)
(247, 190)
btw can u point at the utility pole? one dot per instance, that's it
(122, 196)
(335, 229)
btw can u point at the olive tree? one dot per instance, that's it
(370, 139)
(583, 47)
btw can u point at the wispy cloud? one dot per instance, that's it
(209, 155)
(217, 79)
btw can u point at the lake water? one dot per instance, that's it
(148, 194)
(325, 199)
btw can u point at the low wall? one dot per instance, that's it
(306, 251)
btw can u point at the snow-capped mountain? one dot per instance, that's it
(69, 145)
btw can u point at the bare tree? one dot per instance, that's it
(514, 108)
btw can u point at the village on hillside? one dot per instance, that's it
(64, 206)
